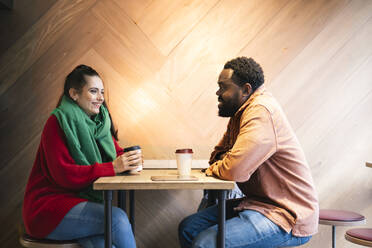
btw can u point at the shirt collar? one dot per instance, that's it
(259, 91)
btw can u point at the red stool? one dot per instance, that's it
(335, 218)
(360, 236)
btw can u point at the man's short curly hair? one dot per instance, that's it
(246, 70)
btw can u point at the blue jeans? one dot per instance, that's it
(247, 228)
(85, 222)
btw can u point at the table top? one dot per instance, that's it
(369, 164)
(142, 181)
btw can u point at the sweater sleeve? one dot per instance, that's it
(61, 168)
(255, 143)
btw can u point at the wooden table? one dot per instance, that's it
(142, 181)
(369, 164)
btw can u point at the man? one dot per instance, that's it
(261, 153)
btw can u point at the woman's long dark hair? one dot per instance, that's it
(76, 80)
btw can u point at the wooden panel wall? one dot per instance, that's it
(160, 60)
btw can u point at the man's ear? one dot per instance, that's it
(73, 93)
(247, 89)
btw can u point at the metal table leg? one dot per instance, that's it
(221, 218)
(107, 197)
(212, 197)
(131, 210)
(122, 199)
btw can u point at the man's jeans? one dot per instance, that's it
(243, 229)
(85, 222)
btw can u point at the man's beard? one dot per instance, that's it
(228, 108)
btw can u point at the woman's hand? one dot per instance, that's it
(128, 161)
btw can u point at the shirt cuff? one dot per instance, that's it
(213, 170)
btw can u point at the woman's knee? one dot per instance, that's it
(122, 229)
(120, 218)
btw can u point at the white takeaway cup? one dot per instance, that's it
(184, 160)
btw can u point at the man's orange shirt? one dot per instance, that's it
(262, 154)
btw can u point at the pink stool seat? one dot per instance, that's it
(339, 215)
(361, 233)
(334, 217)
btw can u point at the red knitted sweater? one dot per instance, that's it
(55, 180)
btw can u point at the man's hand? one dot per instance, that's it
(209, 172)
(221, 156)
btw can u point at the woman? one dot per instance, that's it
(78, 145)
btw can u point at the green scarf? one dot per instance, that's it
(89, 140)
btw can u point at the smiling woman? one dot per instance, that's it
(78, 145)
(90, 97)
(85, 87)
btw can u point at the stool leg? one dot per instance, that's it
(333, 236)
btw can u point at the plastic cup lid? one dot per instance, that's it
(131, 148)
(186, 150)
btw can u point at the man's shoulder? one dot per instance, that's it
(266, 101)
